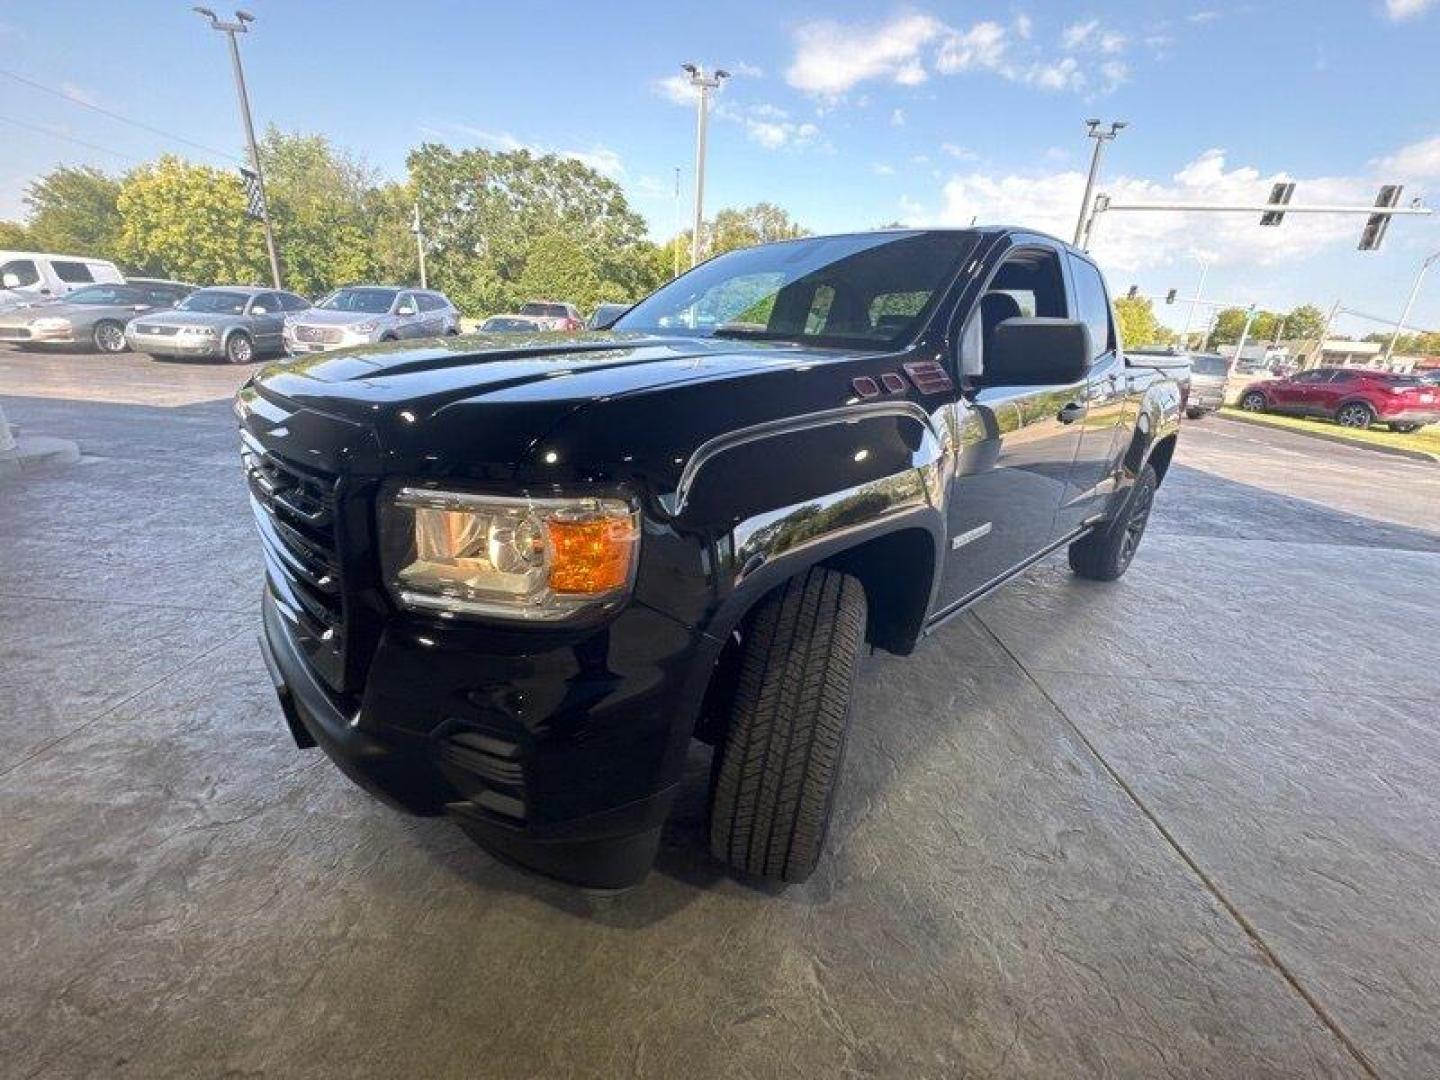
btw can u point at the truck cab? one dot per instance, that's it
(512, 582)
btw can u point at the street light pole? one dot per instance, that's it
(1101, 138)
(1190, 315)
(230, 29)
(704, 84)
(420, 245)
(1409, 303)
(675, 269)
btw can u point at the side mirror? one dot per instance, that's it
(259, 309)
(1037, 352)
(405, 311)
(10, 281)
(139, 307)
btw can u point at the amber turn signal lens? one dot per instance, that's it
(591, 556)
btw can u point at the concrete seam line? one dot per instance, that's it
(44, 747)
(5, 594)
(1250, 930)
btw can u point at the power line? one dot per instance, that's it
(117, 116)
(69, 138)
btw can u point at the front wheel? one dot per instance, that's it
(1252, 401)
(1356, 415)
(775, 778)
(109, 337)
(239, 349)
(1105, 554)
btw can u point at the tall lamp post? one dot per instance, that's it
(230, 29)
(705, 84)
(1409, 303)
(1101, 138)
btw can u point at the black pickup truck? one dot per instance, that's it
(510, 579)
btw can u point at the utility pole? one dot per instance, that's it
(1409, 303)
(1190, 315)
(419, 245)
(704, 84)
(230, 29)
(1101, 138)
(1244, 335)
(676, 246)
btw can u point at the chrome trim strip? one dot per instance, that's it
(675, 503)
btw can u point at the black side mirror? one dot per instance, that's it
(1037, 352)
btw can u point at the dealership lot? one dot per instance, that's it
(1043, 864)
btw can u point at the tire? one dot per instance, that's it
(1194, 414)
(775, 777)
(388, 337)
(1252, 401)
(1404, 429)
(239, 348)
(1356, 415)
(1106, 554)
(108, 337)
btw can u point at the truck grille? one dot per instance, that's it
(322, 335)
(158, 331)
(295, 509)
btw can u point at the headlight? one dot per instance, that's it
(198, 331)
(50, 322)
(532, 559)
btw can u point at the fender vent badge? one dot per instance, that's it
(928, 376)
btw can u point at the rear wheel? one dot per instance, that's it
(1252, 401)
(1404, 429)
(1106, 554)
(239, 349)
(776, 772)
(1356, 415)
(108, 336)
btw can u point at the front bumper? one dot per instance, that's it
(28, 335)
(347, 339)
(559, 754)
(174, 344)
(1205, 400)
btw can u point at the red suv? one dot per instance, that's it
(1352, 397)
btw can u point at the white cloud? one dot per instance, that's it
(1023, 26)
(602, 159)
(675, 89)
(1399, 10)
(881, 169)
(897, 118)
(777, 134)
(832, 57)
(746, 71)
(1418, 161)
(959, 153)
(1063, 74)
(1202, 16)
(1134, 241)
(78, 94)
(1092, 35)
(983, 46)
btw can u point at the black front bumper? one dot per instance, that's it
(559, 754)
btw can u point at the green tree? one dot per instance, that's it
(15, 237)
(188, 222)
(1304, 323)
(1228, 325)
(74, 211)
(747, 226)
(1138, 324)
(318, 208)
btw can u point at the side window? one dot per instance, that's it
(405, 302)
(1029, 283)
(72, 273)
(265, 304)
(1093, 304)
(429, 302)
(291, 302)
(819, 312)
(18, 273)
(1342, 376)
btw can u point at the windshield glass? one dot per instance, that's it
(215, 301)
(873, 290)
(105, 294)
(544, 311)
(1208, 365)
(363, 301)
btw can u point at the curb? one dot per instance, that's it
(1393, 451)
(37, 453)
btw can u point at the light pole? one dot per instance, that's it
(704, 84)
(1190, 315)
(1409, 303)
(1101, 138)
(420, 245)
(676, 268)
(230, 29)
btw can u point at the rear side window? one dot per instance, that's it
(73, 273)
(23, 270)
(291, 302)
(429, 302)
(1093, 305)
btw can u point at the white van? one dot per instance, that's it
(31, 277)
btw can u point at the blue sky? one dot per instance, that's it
(849, 115)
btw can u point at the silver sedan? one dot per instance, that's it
(93, 316)
(234, 323)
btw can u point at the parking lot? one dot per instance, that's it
(1182, 825)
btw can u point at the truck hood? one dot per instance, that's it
(477, 406)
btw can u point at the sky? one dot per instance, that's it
(849, 115)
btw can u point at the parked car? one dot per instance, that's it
(553, 315)
(1352, 397)
(511, 585)
(366, 314)
(94, 316)
(511, 324)
(236, 323)
(604, 315)
(33, 277)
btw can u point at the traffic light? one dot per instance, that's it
(1279, 196)
(1376, 224)
(1133, 292)
(1170, 296)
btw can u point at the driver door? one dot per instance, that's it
(1016, 444)
(267, 321)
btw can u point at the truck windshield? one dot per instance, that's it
(871, 290)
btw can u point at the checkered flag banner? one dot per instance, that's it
(254, 194)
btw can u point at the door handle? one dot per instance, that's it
(1070, 413)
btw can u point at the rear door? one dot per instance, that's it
(267, 320)
(1299, 394)
(1016, 444)
(407, 316)
(1323, 398)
